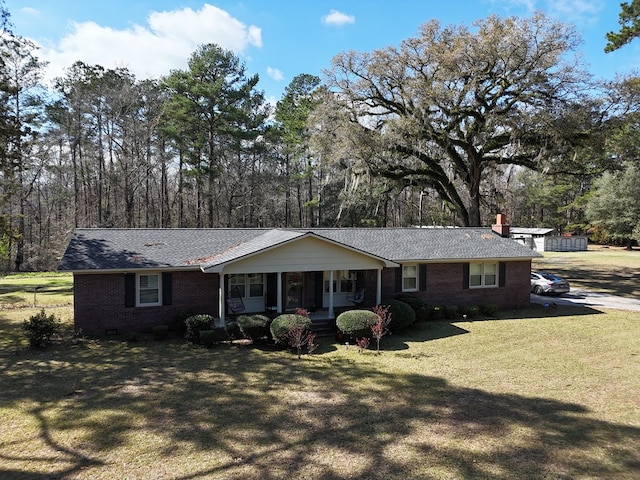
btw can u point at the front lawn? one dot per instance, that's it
(533, 394)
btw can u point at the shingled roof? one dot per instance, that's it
(126, 249)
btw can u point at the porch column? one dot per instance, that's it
(331, 314)
(279, 293)
(379, 287)
(221, 297)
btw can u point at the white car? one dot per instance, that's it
(543, 283)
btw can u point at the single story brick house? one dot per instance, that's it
(132, 279)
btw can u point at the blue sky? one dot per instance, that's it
(278, 39)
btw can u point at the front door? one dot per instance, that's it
(294, 290)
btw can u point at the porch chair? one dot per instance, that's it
(358, 298)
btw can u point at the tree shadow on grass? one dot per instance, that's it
(11, 299)
(419, 332)
(60, 454)
(621, 281)
(241, 413)
(550, 310)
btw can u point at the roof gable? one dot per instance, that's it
(279, 250)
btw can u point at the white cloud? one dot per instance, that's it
(275, 73)
(152, 50)
(577, 11)
(575, 8)
(30, 11)
(336, 18)
(528, 4)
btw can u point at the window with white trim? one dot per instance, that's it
(410, 278)
(344, 281)
(256, 285)
(251, 284)
(483, 275)
(148, 289)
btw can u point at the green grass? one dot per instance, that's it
(613, 270)
(532, 394)
(46, 289)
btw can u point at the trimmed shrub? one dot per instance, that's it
(160, 332)
(207, 338)
(40, 328)
(282, 324)
(402, 315)
(254, 327)
(181, 319)
(489, 309)
(450, 312)
(233, 330)
(417, 304)
(357, 323)
(470, 311)
(435, 312)
(195, 324)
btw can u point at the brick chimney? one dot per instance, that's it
(500, 227)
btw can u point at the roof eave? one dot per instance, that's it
(163, 268)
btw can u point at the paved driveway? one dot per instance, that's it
(586, 298)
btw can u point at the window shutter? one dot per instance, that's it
(272, 289)
(465, 275)
(422, 280)
(129, 289)
(502, 274)
(398, 287)
(166, 288)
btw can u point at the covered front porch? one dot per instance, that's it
(299, 271)
(324, 294)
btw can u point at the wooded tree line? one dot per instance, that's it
(448, 128)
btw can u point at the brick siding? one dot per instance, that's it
(99, 299)
(99, 305)
(445, 286)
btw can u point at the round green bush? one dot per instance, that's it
(357, 323)
(489, 309)
(208, 338)
(402, 315)
(233, 330)
(417, 304)
(195, 324)
(470, 311)
(283, 323)
(180, 320)
(450, 312)
(435, 312)
(254, 327)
